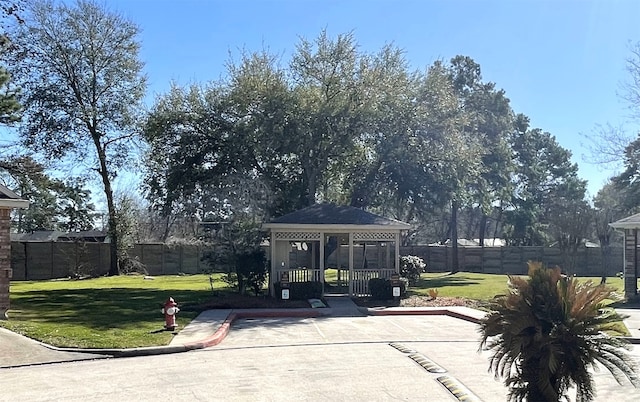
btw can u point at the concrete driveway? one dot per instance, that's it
(411, 358)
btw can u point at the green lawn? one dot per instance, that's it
(108, 312)
(485, 287)
(478, 286)
(124, 311)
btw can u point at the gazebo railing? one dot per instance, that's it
(359, 281)
(361, 277)
(300, 275)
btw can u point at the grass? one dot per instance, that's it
(478, 286)
(484, 287)
(108, 312)
(124, 311)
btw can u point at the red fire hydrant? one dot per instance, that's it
(170, 310)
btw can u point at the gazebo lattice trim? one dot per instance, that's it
(296, 235)
(374, 236)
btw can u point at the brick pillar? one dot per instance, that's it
(630, 263)
(5, 261)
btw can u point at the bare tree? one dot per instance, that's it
(82, 82)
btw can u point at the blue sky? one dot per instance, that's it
(560, 62)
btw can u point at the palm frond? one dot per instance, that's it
(546, 335)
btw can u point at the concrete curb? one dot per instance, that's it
(128, 352)
(422, 311)
(635, 341)
(219, 335)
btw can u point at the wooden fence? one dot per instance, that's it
(513, 260)
(47, 260)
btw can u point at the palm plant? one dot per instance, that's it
(547, 335)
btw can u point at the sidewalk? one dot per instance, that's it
(632, 323)
(17, 350)
(212, 326)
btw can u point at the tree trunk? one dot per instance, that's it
(114, 268)
(166, 228)
(113, 222)
(498, 223)
(482, 229)
(312, 184)
(454, 237)
(362, 193)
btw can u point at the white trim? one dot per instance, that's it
(335, 228)
(5, 203)
(625, 225)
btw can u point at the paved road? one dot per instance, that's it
(330, 358)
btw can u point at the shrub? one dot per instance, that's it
(251, 270)
(546, 335)
(130, 265)
(411, 267)
(301, 290)
(381, 289)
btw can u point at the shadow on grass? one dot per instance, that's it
(635, 304)
(123, 308)
(445, 280)
(99, 308)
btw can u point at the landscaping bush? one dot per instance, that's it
(251, 270)
(130, 265)
(301, 290)
(381, 289)
(411, 267)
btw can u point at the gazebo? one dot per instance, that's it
(359, 245)
(630, 226)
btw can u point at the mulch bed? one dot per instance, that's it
(419, 301)
(237, 301)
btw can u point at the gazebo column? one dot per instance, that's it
(272, 274)
(322, 246)
(397, 259)
(387, 260)
(630, 263)
(351, 277)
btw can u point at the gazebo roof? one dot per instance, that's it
(333, 215)
(630, 222)
(9, 199)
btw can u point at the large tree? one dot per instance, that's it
(488, 119)
(614, 146)
(283, 130)
(9, 106)
(545, 180)
(328, 77)
(336, 125)
(55, 204)
(82, 84)
(202, 163)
